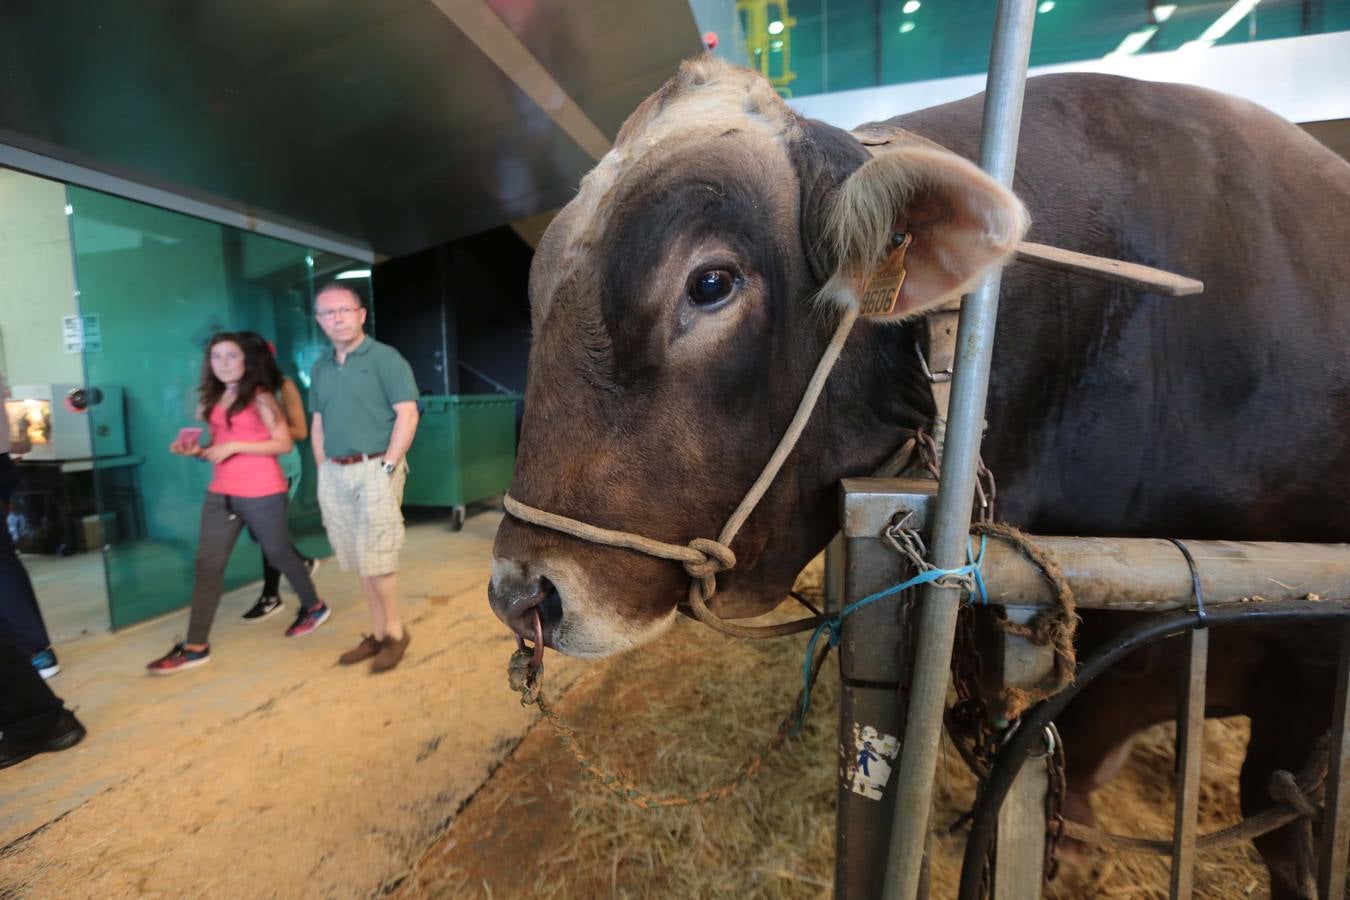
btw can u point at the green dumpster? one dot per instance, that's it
(464, 450)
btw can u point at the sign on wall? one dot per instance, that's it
(81, 334)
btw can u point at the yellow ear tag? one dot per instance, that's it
(883, 288)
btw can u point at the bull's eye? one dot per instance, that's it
(711, 286)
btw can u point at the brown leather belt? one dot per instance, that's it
(355, 458)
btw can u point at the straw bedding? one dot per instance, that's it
(683, 713)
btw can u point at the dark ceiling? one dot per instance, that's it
(379, 122)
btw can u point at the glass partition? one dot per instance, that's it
(156, 285)
(53, 518)
(816, 46)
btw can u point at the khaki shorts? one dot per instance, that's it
(362, 514)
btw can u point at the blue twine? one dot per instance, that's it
(835, 624)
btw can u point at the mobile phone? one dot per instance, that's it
(189, 437)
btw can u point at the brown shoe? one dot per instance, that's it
(365, 650)
(391, 653)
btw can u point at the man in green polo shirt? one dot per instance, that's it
(364, 399)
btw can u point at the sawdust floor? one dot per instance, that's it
(271, 772)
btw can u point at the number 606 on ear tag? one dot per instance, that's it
(883, 288)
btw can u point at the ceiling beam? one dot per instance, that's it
(490, 34)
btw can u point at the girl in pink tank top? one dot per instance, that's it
(248, 433)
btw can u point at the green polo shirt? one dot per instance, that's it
(356, 399)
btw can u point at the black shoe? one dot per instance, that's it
(63, 734)
(265, 607)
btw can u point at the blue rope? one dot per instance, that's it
(835, 624)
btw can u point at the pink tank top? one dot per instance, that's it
(244, 474)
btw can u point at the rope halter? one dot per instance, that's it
(703, 558)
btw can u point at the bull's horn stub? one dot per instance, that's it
(882, 290)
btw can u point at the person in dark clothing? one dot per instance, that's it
(293, 408)
(33, 720)
(20, 617)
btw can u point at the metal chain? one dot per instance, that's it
(1056, 788)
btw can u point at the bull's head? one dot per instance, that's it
(679, 304)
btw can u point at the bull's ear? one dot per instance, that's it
(960, 219)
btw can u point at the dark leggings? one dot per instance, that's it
(222, 519)
(20, 619)
(27, 706)
(272, 575)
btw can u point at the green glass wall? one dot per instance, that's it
(158, 285)
(818, 46)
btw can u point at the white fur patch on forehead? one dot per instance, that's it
(707, 98)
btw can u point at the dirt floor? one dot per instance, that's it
(271, 772)
(274, 773)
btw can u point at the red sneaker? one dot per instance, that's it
(178, 659)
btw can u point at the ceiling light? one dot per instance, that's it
(1164, 12)
(906, 27)
(352, 273)
(911, 6)
(1046, 6)
(776, 27)
(1134, 42)
(1222, 25)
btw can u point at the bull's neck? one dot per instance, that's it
(884, 393)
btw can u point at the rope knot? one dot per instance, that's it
(522, 677)
(717, 557)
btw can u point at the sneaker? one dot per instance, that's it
(178, 659)
(391, 653)
(312, 566)
(263, 609)
(365, 650)
(308, 620)
(45, 663)
(62, 734)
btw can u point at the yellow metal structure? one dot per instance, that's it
(769, 51)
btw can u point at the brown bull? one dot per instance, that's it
(680, 301)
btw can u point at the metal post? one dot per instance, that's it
(1336, 818)
(975, 340)
(1190, 747)
(872, 655)
(1019, 851)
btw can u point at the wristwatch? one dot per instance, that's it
(388, 467)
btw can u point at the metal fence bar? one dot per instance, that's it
(873, 659)
(1141, 574)
(1022, 744)
(1019, 853)
(975, 341)
(1336, 817)
(1190, 750)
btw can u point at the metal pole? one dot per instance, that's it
(975, 341)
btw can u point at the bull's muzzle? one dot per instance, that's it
(514, 594)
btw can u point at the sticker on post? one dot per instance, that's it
(870, 766)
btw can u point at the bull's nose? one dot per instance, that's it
(515, 595)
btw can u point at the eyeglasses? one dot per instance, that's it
(341, 312)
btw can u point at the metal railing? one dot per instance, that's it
(1141, 575)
